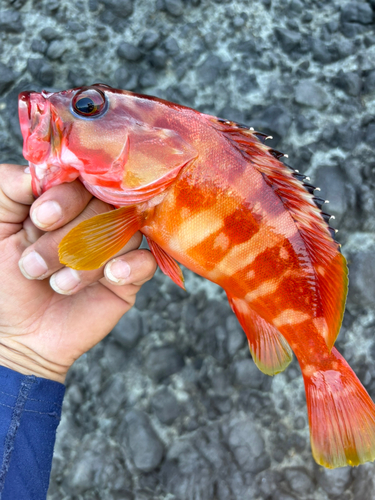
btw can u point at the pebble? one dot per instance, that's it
(331, 181)
(289, 40)
(299, 481)
(174, 7)
(356, 12)
(146, 448)
(56, 49)
(165, 406)
(335, 481)
(149, 40)
(10, 21)
(311, 94)
(248, 447)
(7, 77)
(209, 71)
(121, 8)
(163, 362)
(359, 250)
(129, 51)
(128, 330)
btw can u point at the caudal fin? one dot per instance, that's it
(341, 415)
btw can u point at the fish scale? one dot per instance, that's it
(210, 194)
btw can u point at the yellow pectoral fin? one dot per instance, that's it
(166, 263)
(90, 244)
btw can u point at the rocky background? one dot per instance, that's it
(170, 406)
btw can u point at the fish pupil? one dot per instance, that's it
(85, 106)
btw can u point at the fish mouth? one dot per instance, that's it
(35, 121)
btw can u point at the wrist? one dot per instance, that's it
(22, 359)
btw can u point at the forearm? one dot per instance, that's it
(30, 410)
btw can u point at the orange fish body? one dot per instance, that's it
(209, 194)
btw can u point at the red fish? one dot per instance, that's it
(210, 194)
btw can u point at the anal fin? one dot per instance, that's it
(90, 244)
(269, 349)
(166, 263)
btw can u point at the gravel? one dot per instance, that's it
(170, 406)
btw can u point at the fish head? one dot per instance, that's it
(111, 139)
(69, 133)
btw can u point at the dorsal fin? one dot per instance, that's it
(328, 264)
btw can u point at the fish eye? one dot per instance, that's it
(90, 103)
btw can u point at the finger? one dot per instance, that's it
(135, 267)
(41, 259)
(68, 281)
(59, 205)
(15, 193)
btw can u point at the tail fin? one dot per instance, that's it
(341, 416)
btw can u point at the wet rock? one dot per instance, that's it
(210, 69)
(56, 49)
(299, 481)
(289, 40)
(121, 8)
(311, 94)
(128, 330)
(174, 7)
(163, 362)
(247, 374)
(335, 481)
(146, 447)
(149, 40)
(114, 394)
(7, 77)
(369, 83)
(356, 12)
(49, 34)
(332, 184)
(351, 82)
(359, 250)
(165, 406)
(247, 445)
(41, 69)
(10, 21)
(129, 51)
(275, 119)
(98, 462)
(38, 45)
(158, 58)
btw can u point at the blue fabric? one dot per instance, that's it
(30, 411)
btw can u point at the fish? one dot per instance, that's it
(210, 194)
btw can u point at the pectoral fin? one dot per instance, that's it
(269, 349)
(166, 263)
(90, 244)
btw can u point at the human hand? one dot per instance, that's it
(46, 324)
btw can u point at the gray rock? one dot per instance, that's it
(165, 406)
(335, 481)
(171, 46)
(311, 94)
(146, 447)
(247, 374)
(114, 394)
(149, 40)
(370, 134)
(38, 45)
(174, 7)
(10, 21)
(56, 49)
(163, 362)
(41, 69)
(331, 181)
(121, 8)
(299, 481)
(128, 51)
(210, 69)
(7, 77)
(49, 34)
(128, 330)
(356, 12)
(277, 120)
(369, 84)
(359, 250)
(158, 58)
(247, 445)
(350, 82)
(289, 40)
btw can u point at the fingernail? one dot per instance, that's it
(46, 214)
(33, 266)
(117, 270)
(65, 281)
